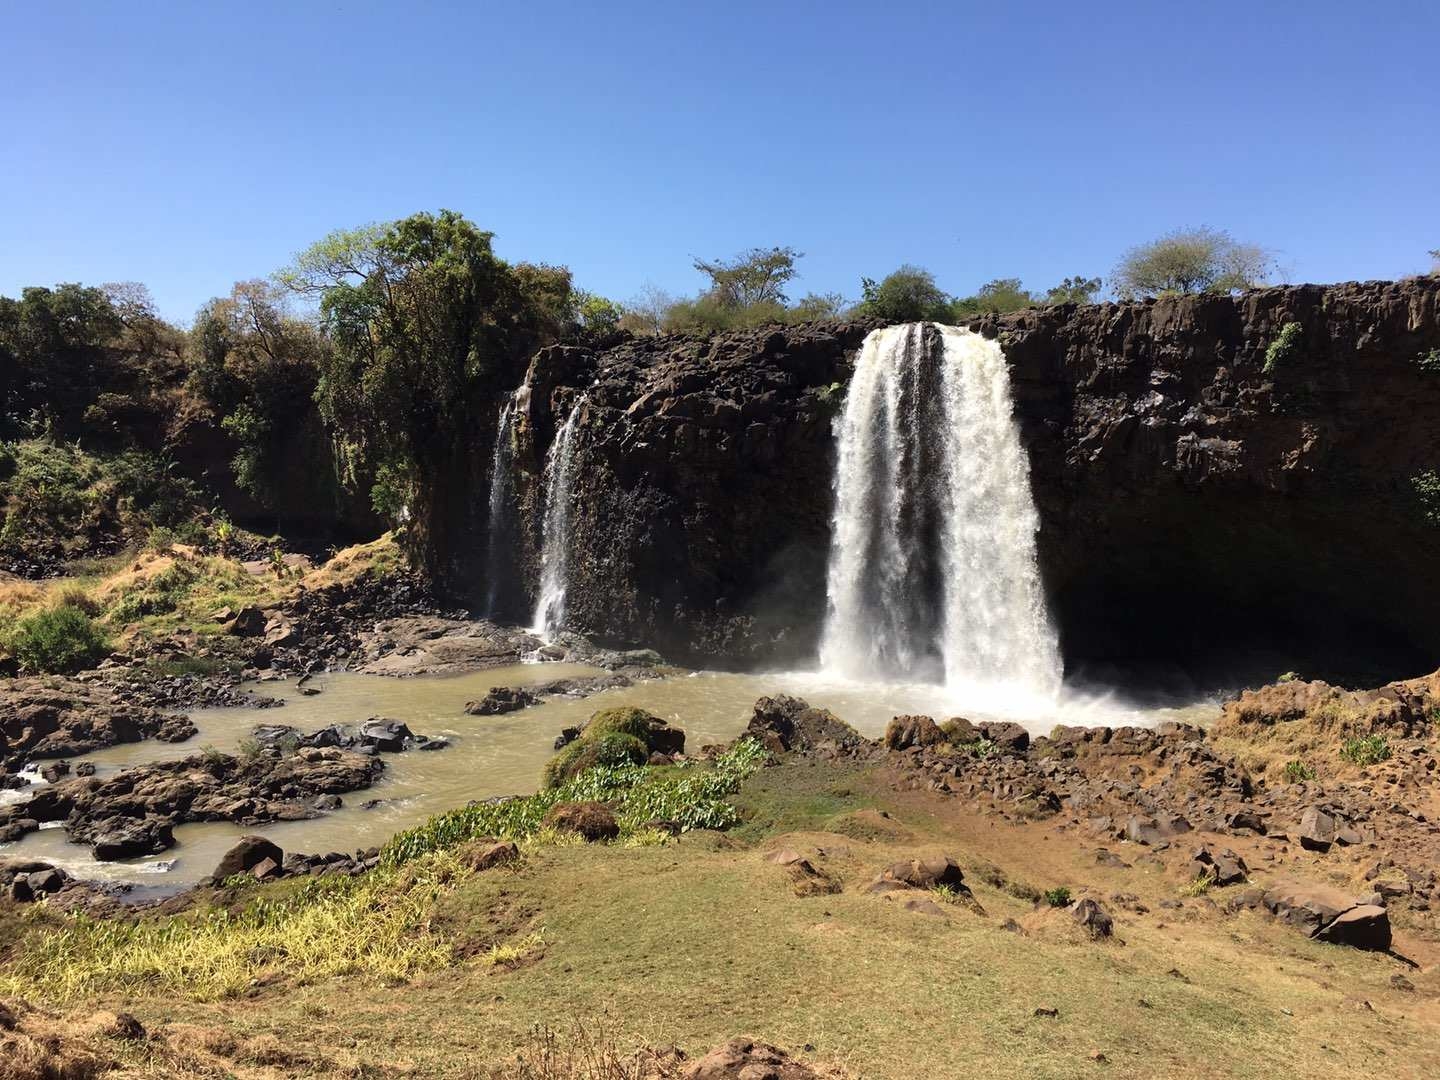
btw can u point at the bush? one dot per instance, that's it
(907, 295)
(1426, 486)
(1366, 750)
(1191, 261)
(1283, 349)
(61, 641)
(1298, 772)
(1429, 362)
(619, 736)
(1058, 896)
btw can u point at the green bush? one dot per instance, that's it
(1058, 896)
(61, 640)
(1429, 362)
(618, 736)
(1366, 749)
(1426, 486)
(1283, 349)
(1298, 772)
(692, 798)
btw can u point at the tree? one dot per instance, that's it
(1074, 290)
(999, 295)
(54, 341)
(1435, 255)
(258, 367)
(814, 306)
(757, 276)
(908, 294)
(645, 313)
(1192, 261)
(427, 326)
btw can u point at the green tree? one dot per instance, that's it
(813, 306)
(1192, 261)
(53, 342)
(427, 327)
(909, 294)
(258, 368)
(757, 276)
(1000, 295)
(1074, 290)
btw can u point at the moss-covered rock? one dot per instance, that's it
(619, 736)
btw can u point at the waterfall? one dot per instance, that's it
(932, 573)
(555, 551)
(499, 558)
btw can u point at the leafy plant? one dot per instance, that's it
(60, 640)
(1366, 750)
(1426, 486)
(1429, 362)
(1058, 896)
(1199, 885)
(1298, 772)
(1284, 347)
(1288, 676)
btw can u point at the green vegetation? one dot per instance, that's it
(1365, 750)
(1429, 362)
(1283, 349)
(1298, 772)
(1189, 261)
(1426, 488)
(693, 797)
(1199, 885)
(911, 295)
(60, 641)
(1288, 676)
(1058, 896)
(620, 736)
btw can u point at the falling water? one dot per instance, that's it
(500, 532)
(932, 572)
(555, 551)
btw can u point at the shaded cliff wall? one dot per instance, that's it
(1196, 509)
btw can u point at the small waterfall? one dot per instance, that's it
(499, 555)
(932, 573)
(555, 551)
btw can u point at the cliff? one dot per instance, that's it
(1198, 504)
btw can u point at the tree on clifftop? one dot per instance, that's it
(1192, 261)
(427, 326)
(757, 276)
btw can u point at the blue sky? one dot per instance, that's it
(190, 145)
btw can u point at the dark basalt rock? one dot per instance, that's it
(59, 718)
(1192, 504)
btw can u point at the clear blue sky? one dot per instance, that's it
(190, 145)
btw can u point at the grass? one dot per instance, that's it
(1365, 750)
(1298, 772)
(1198, 886)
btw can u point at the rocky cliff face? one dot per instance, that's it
(1197, 504)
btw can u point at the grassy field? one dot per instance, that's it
(701, 939)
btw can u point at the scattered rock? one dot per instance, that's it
(502, 699)
(246, 855)
(1329, 914)
(748, 1059)
(481, 856)
(904, 732)
(592, 820)
(1222, 868)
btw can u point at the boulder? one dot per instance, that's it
(246, 855)
(926, 873)
(1010, 738)
(784, 723)
(265, 869)
(248, 622)
(958, 730)
(1316, 831)
(1221, 867)
(482, 855)
(592, 820)
(1155, 830)
(748, 1059)
(387, 736)
(502, 699)
(1094, 918)
(904, 732)
(1329, 914)
(128, 840)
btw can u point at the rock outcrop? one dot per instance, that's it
(55, 718)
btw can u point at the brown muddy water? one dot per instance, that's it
(503, 755)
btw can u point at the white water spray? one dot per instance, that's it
(555, 550)
(933, 574)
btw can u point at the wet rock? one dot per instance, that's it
(55, 717)
(132, 839)
(591, 820)
(502, 699)
(247, 853)
(387, 736)
(55, 771)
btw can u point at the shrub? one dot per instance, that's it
(1283, 349)
(1298, 772)
(1199, 885)
(909, 294)
(1429, 362)
(1366, 750)
(1058, 896)
(1426, 486)
(619, 736)
(1288, 676)
(1191, 261)
(61, 640)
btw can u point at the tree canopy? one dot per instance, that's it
(1192, 261)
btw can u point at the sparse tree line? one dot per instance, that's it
(380, 350)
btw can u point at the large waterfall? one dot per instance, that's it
(932, 573)
(555, 550)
